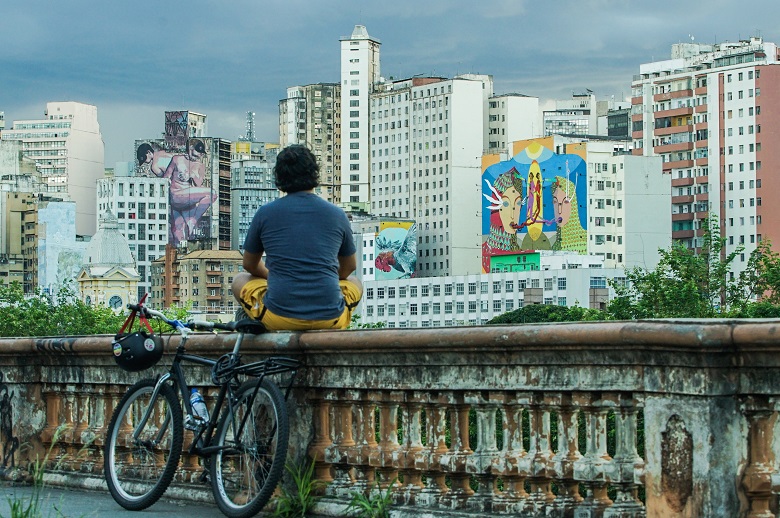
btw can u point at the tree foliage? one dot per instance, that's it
(39, 315)
(548, 313)
(699, 283)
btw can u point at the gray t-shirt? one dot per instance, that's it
(302, 236)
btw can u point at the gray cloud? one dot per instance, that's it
(136, 59)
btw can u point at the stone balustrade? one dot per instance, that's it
(648, 418)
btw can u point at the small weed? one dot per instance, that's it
(374, 505)
(297, 503)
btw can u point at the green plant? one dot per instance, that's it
(30, 507)
(376, 504)
(297, 503)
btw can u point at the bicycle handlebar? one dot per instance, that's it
(180, 326)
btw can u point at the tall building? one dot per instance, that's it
(711, 114)
(582, 115)
(427, 137)
(311, 115)
(512, 117)
(68, 149)
(359, 73)
(251, 185)
(140, 207)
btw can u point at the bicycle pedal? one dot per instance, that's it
(204, 478)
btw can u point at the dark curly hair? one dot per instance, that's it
(141, 152)
(296, 169)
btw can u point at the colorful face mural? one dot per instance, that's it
(396, 250)
(532, 204)
(191, 193)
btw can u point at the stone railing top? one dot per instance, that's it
(690, 335)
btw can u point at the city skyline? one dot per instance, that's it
(136, 61)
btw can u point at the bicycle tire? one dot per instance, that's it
(244, 473)
(137, 472)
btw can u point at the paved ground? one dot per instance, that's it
(66, 503)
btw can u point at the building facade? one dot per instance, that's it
(562, 279)
(68, 149)
(201, 279)
(311, 115)
(140, 206)
(512, 117)
(711, 114)
(251, 186)
(359, 74)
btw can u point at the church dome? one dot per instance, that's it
(108, 246)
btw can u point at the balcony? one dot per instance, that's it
(682, 234)
(687, 216)
(672, 95)
(674, 112)
(686, 198)
(671, 148)
(677, 164)
(682, 182)
(684, 128)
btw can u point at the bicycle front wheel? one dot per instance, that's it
(253, 438)
(141, 455)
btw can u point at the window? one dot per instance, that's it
(472, 288)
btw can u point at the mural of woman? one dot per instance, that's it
(189, 197)
(569, 232)
(506, 212)
(152, 161)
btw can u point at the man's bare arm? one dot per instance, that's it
(347, 265)
(253, 264)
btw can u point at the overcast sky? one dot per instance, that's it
(136, 59)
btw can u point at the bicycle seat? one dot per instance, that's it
(251, 326)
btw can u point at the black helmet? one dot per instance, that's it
(137, 351)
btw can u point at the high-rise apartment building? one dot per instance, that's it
(251, 184)
(512, 117)
(311, 115)
(427, 138)
(711, 112)
(68, 149)
(140, 205)
(359, 74)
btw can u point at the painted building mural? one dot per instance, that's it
(395, 250)
(536, 200)
(191, 193)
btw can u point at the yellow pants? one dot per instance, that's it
(253, 293)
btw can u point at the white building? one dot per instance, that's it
(140, 205)
(512, 117)
(427, 137)
(564, 279)
(68, 148)
(60, 250)
(581, 115)
(359, 72)
(708, 112)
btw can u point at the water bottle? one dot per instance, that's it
(199, 410)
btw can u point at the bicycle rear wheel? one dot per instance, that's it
(245, 472)
(138, 470)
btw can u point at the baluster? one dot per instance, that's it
(483, 463)
(568, 454)
(365, 441)
(516, 463)
(322, 438)
(628, 465)
(411, 448)
(540, 453)
(592, 470)
(336, 454)
(757, 478)
(81, 439)
(460, 492)
(430, 459)
(389, 449)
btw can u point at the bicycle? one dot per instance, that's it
(244, 449)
